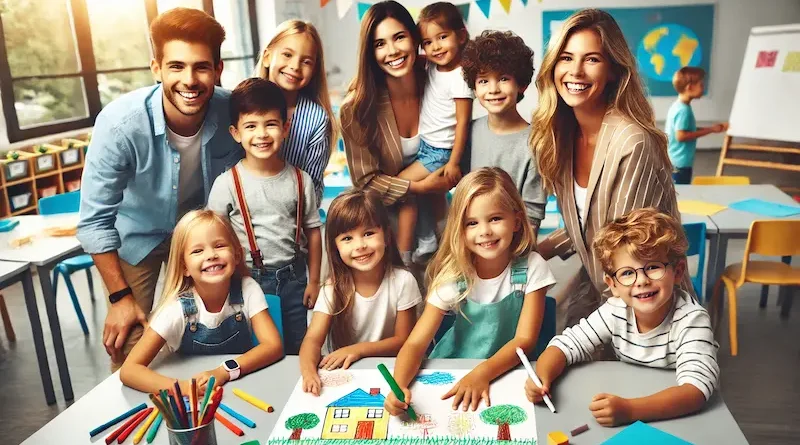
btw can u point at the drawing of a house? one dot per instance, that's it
(358, 415)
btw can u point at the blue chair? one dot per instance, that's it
(696, 234)
(274, 309)
(69, 203)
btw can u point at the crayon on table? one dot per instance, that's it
(151, 434)
(113, 421)
(133, 426)
(113, 436)
(140, 434)
(396, 389)
(237, 416)
(253, 401)
(234, 429)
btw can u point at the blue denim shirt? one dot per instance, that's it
(129, 191)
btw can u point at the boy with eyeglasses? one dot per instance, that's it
(649, 322)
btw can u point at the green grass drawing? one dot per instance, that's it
(437, 440)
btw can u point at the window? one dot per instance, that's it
(374, 413)
(341, 428)
(57, 77)
(341, 413)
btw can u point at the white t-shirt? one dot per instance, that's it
(374, 317)
(410, 147)
(437, 119)
(190, 185)
(580, 200)
(169, 322)
(495, 289)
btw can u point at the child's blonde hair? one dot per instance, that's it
(350, 210)
(645, 233)
(453, 260)
(317, 88)
(176, 280)
(688, 75)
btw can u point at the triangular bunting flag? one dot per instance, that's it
(506, 5)
(485, 5)
(464, 10)
(322, 3)
(342, 6)
(524, 2)
(362, 9)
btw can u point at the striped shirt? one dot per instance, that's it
(684, 341)
(307, 146)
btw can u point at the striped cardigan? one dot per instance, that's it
(307, 146)
(626, 174)
(378, 174)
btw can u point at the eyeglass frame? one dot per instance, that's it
(636, 272)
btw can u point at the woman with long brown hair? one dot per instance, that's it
(380, 113)
(597, 146)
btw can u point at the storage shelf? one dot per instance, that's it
(22, 211)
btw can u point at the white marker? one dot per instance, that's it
(533, 377)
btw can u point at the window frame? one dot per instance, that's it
(88, 72)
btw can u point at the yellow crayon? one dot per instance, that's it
(253, 401)
(140, 434)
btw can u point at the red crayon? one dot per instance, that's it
(234, 429)
(113, 436)
(216, 398)
(132, 426)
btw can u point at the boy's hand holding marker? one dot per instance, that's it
(394, 405)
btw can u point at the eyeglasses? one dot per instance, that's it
(627, 276)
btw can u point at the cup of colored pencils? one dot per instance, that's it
(192, 423)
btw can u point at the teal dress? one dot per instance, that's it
(480, 330)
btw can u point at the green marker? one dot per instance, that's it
(151, 433)
(252, 442)
(396, 390)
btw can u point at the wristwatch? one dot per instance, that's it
(232, 366)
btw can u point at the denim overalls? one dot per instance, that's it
(232, 336)
(480, 330)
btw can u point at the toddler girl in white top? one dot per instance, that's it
(366, 308)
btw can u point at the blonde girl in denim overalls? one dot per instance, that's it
(488, 274)
(206, 267)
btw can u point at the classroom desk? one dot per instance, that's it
(12, 272)
(44, 253)
(714, 425)
(731, 223)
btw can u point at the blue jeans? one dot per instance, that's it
(682, 175)
(289, 283)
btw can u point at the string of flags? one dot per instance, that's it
(343, 7)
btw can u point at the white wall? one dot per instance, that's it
(3, 132)
(734, 18)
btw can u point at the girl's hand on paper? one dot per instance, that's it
(340, 358)
(394, 406)
(311, 382)
(610, 410)
(534, 393)
(469, 391)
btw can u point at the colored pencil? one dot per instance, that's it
(163, 410)
(193, 403)
(149, 421)
(129, 429)
(234, 429)
(253, 401)
(396, 389)
(176, 421)
(151, 434)
(216, 399)
(115, 420)
(534, 377)
(237, 416)
(209, 390)
(183, 422)
(183, 414)
(113, 436)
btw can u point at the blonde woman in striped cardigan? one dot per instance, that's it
(597, 146)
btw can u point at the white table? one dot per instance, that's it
(713, 425)
(45, 252)
(731, 223)
(13, 272)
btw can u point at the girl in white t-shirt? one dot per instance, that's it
(366, 307)
(488, 274)
(210, 305)
(444, 122)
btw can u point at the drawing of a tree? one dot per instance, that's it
(503, 416)
(299, 423)
(460, 424)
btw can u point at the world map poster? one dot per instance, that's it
(663, 39)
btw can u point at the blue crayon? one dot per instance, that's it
(122, 416)
(237, 416)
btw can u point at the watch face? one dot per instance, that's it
(230, 365)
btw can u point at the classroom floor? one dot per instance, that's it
(761, 386)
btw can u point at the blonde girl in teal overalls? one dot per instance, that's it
(488, 274)
(210, 306)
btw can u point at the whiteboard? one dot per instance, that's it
(767, 101)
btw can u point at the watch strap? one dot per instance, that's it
(119, 295)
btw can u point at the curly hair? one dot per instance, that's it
(498, 52)
(645, 233)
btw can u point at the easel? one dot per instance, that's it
(729, 145)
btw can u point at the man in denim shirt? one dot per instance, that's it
(154, 155)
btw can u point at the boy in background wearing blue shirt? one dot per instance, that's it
(681, 126)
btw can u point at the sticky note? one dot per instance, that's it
(761, 207)
(701, 208)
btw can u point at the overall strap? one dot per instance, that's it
(188, 304)
(461, 284)
(519, 273)
(235, 296)
(255, 253)
(300, 208)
